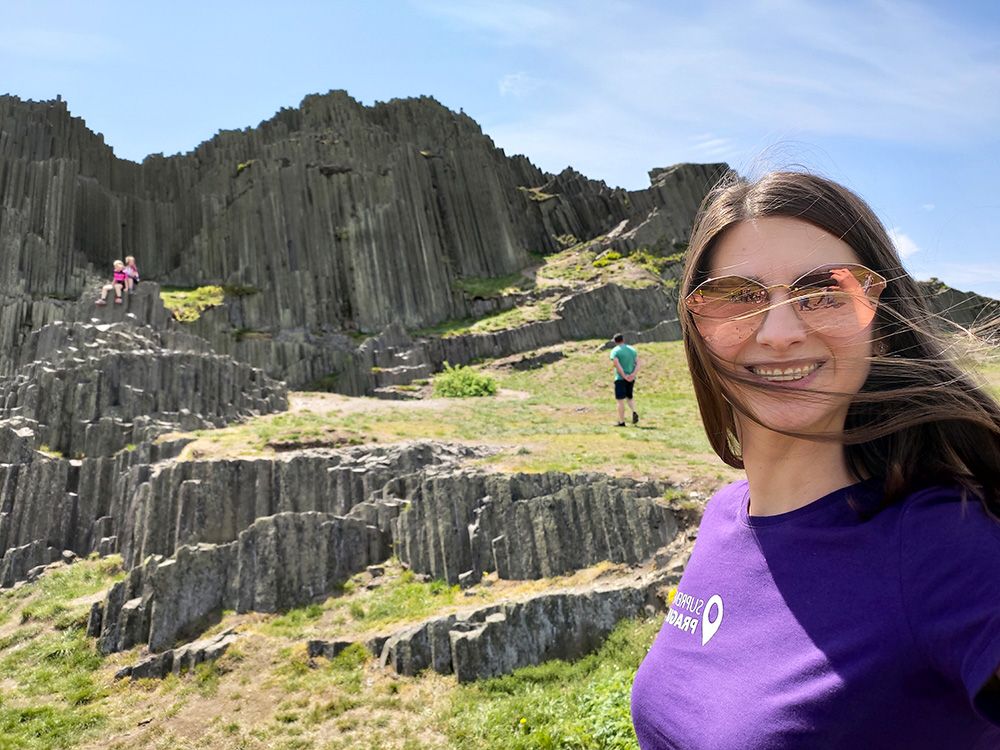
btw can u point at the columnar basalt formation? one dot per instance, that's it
(196, 502)
(497, 639)
(76, 505)
(278, 562)
(971, 312)
(527, 526)
(115, 392)
(182, 659)
(271, 534)
(328, 218)
(79, 415)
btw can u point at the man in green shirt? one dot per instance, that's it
(626, 363)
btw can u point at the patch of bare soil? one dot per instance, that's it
(331, 439)
(336, 403)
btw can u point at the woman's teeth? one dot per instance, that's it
(777, 375)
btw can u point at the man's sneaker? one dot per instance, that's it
(635, 417)
(118, 300)
(101, 302)
(620, 424)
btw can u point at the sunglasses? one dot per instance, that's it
(833, 300)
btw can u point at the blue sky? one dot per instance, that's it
(898, 100)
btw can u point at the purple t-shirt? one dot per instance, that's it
(816, 629)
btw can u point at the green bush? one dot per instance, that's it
(607, 258)
(652, 263)
(463, 382)
(187, 305)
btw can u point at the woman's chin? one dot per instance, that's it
(808, 418)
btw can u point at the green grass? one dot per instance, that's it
(399, 599)
(501, 321)
(44, 449)
(57, 692)
(404, 599)
(187, 305)
(496, 286)
(52, 681)
(44, 726)
(536, 194)
(564, 421)
(294, 623)
(52, 596)
(52, 692)
(581, 704)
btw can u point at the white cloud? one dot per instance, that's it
(905, 245)
(928, 206)
(714, 147)
(518, 84)
(662, 72)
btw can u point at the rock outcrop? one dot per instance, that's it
(179, 660)
(195, 502)
(973, 312)
(80, 414)
(271, 534)
(326, 219)
(498, 638)
(278, 562)
(527, 526)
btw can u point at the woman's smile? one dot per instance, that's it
(785, 372)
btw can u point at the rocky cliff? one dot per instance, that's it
(328, 217)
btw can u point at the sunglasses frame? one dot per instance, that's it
(873, 280)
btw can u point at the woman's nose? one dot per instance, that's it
(782, 327)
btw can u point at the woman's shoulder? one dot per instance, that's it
(728, 497)
(940, 509)
(946, 522)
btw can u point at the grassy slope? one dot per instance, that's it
(266, 693)
(559, 417)
(575, 268)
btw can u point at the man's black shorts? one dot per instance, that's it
(623, 389)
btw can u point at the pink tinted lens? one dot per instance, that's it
(718, 332)
(838, 300)
(728, 310)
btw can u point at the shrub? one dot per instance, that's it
(463, 382)
(187, 305)
(606, 258)
(652, 263)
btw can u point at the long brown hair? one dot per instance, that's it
(919, 419)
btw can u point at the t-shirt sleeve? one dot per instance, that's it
(950, 580)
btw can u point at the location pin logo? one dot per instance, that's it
(708, 625)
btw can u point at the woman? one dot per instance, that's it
(847, 594)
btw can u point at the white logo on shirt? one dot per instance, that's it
(685, 610)
(708, 625)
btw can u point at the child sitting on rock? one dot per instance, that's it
(131, 273)
(117, 284)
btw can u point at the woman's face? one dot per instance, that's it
(783, 351)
